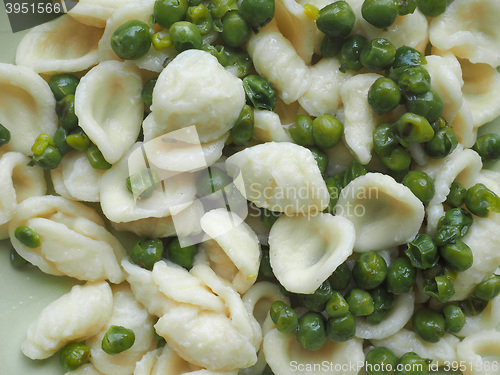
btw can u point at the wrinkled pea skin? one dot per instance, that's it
(406, 6)
(73, 355)
(383, 302)
(415, 81)
(422, 252)
(472, 306)
(259, 92)
(220, 7)
(318, 300)
(284, 317)
(384, 139)
(413, 128)
(441, 288)
(350, 53)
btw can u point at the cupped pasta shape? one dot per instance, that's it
(194, 89)
(128, 313)
(95, 12)
(268, 127)
(109, 107)
(85, 369)
(339, 157)
(275, 59)
(305, 250)
(480, 353)
(28, 107)
(75, 316)
(279, 176)
(74, 239)
(384, 213)
(470, 30)
(399, 316)
(18, 181)
(285, 355)
(162, 361)
(486, 320)
(61, 45)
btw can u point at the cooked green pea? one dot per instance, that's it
(79, 141)
(220, 7)
(342, 328)
(350, 53)
(96, 158)
(398, 160)
(428, 105)
(73, 355)
(401, 276)
(200, 16)
(41, 142)
(63, 84)
(237, 61)
(440, 123)
(457, 217)
(330, 46)
(422, 252)
(442, 144)
(49, 159)
(413, 128)
(456, 195)
(269, 217)
(360, 302)
(185, 35)
(265, 268)
(15, 259)
(380, 361)
(65, 109)
(406, 6)
(446, 234)
(378, 54)
(383, 302)
(167, 12)
(420, 184)
(455, 318)
(142, 183)
(411, 364)
(131, 40)
(488, 289)
(354, 170)
(336, 306)
(259, 92)
(4, 135)
(370, 270)
(327, 131)
(339, 177)
(147, 92)
(284, 317)
(440, 287)
(384, 95)
(211, 180)
(146, 252)
(472, 306)
(480, 200)
(384, 139)
(429, 324)
(336, 19)
(488, 146)
(117, 339)
(408, 56)
(380, 13)
(27, 236)
(432, 8)
(60, 140)
(235, 30)
(311, 332)
(257, 12)
(340, 278)
(317, 301)
(183, 256)
(334, 191)
(321, 158)
(415, 81)
(302, 130)
(242, 130)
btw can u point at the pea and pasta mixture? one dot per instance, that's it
(259, 186)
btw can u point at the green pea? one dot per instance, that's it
(440, 287)
(284, 317)
(96, 159)
(63, 84)
(146, 252)
(383, 302)
(79, 141)
(167, 12)
(269, 217)
(259, 92)
(41, 142)
(257, 12)
(220, 7)
(15, 259)
(480, 200)
(378, 54)
(27, 236)
(60, 141)
(413, 128)
(432, 8)
(384, 139)
(321, 158)
(341, 329)
(446, 234)
(65, 109)
(235, 30)
(49, 159)
(455, 318)
(237, 61)
(334, 192)
(440, 123)
(429, 324)
(415, 81)
(183, 256)
(401, 276)
(442, 144)
(411, 364)
(212, 180)
(457, 217)
(336, 19)
(488, 146)
(4, 135)
(428, 105)
(339, 177)
(472, 306)
(422, 252)
(117, 339)
(330, 46)
(354, 170)
(73, 355)
(380, 13)
(318, 300)
(327, 131)
(267, 371)
(384, 95)
(360, 302)
(301, 131)
(185, 35)
(142, 183)
(380, 361)
(350, 53)
(311, 332)
(242, 130)
(147, 92)
(456, 195)
(340, 278)
(398, 160)
(336, 306)
(370, 270)
(420, 184)
(408, 56)
(200, 16)
(488, 289)
(265, 268)
(407, 6)
(131, 40)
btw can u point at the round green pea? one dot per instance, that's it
(472, 306)
(383, 302)
(370, 270)
(398, 160)
(480, 200)
(96, 159)
(73, 355)
(422, 252)
(354, 170)
(456, 217)
(350, 53)
(131, 40)
(259, 92)
(488, 289)
(380, 13)
(330, 46)
(220, 7)
(284, 317)
(340, 278)
(146, 252)
(411, 364)
(147, 92)
(420, 184)
(265, 268)
(446, 234)
(336, 19)
(117, 339)
(185, 35)
(337, 305)
(408, 56)
(167, 12)
(432, 8)
(327, 131)
(360, 302)
(334, 189)
(318, 300)
(456, 195)
(63, 84)
(455, 318)
(429, 324)
(201, 17)
(15, 259)
(4, 135)
(79, 141)
(183, 256)
(378, 54)
(49, 159)
(413, 128)
(488, 146)
(242, 130)
(384, 139)
(380, 361)
(212, 180)
(428, 105)
(442, 144)
(384, 95)
(311, 332)
(60, 140)
(235, 30)
(407, 6)
(342, 328)
(321, 158)
(401, 276)
(257, 12)
(415, 81)
(301, 131)
(65, 109)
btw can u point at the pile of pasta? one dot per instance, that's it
(215, 317)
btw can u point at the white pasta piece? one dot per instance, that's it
(323, 95)
(233, 246)
(128, 313)
(480, 353)
(162, 361)
(280, 176)
(275, 59)
(339, 158)
(85, 369)
(28, 107)
(109, 107)
(407, 341)
(268, 127)
(18, 181)
(384, 212)
(194, 89)
(95, 12)
(77, 179)
(74, 240)
(400, 314)
(61, 45)
(359, 119)
(487, 320)
(285, 355)
(469, 29)
(75, 316)
(305, 250)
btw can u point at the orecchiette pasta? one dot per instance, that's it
(487, 320)
(95, 12)
(480, 353)
(268, 127)
(86, 369)
(162, 361)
